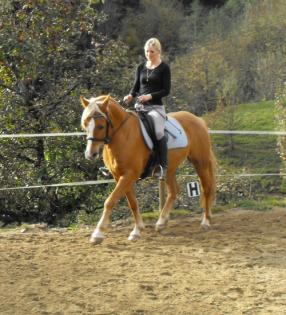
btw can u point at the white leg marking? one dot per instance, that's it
(205, 223)
(135, 234)
(97, 237)
(161, 224)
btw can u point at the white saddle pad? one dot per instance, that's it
(176, 134)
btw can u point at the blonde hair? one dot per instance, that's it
(153, 42)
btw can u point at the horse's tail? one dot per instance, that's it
(212, 175)
(206, 165)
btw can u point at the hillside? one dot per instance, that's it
(251, 153)
(247, 154)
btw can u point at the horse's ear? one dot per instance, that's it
(84, 101)
(104, 104)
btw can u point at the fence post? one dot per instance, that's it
(162, 196)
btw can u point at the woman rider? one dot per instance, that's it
(153, 82)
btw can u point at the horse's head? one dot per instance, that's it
(95, 121)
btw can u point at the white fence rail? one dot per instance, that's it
(42, 135)
(86, 183)
(109, 181)
(72, 134)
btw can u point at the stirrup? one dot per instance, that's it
(159, 172)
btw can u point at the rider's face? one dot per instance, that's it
(151, 53)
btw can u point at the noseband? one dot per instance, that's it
(107, 139)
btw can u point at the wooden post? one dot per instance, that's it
(162, 196)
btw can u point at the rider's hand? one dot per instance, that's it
(144, 98)
(128, 98)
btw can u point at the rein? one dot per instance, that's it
(109, 124)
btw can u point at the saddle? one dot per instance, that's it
(174, 133)
(148, 124)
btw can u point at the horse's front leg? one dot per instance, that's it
(133, 205)
(119, 191)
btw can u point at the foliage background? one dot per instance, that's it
(222, 54)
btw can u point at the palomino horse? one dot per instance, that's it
(125, 154)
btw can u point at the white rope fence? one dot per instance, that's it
(248, 132)
(108, 181)
(72, 134)
(42, 135)
(86, 183)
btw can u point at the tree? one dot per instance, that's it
(154, 18)
(198, 76)
(192, 26)
(51, 53)
(241, 42)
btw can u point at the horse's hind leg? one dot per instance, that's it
(133, 205)
(205, 174)
(173, 189)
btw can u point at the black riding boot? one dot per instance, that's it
(161, 169)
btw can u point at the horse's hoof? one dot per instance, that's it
(206, 224)
(161, 224)
(160, 227)
(133, 237)
(96, 240)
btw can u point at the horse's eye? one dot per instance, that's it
(100, 127)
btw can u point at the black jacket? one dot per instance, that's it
(156, 82)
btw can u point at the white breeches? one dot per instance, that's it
(158, 114)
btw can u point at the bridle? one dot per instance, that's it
(107, 139)
(109, 124)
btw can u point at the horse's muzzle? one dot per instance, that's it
(91, 157)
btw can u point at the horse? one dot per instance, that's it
(115, 131)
